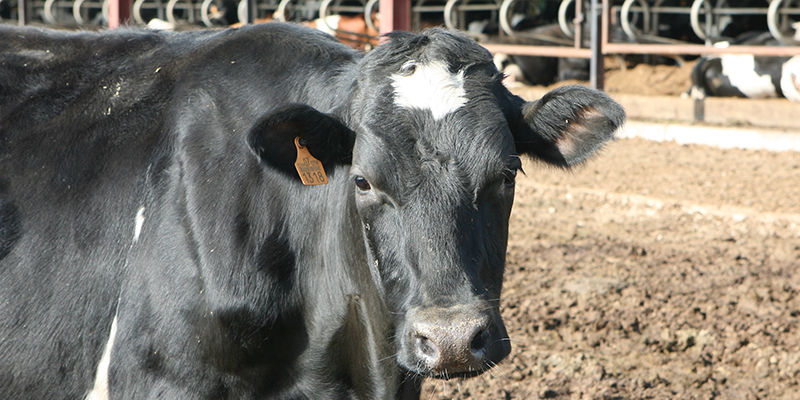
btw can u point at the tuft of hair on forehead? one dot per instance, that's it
(454, 48)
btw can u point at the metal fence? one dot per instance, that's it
(586, 24)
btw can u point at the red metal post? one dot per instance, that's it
(119, 13)
(395, 15)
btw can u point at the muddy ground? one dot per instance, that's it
(655, 271)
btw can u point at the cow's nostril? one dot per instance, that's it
(426, 346)
(454, 341)
(480, 342)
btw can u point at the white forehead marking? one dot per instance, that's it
(430, 87)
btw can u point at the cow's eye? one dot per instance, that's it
(408, 69)
(362, 184)
(509, 176)
(510, 173)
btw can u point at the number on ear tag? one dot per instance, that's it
(309, 168)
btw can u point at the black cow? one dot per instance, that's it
(746, 75)
(156, 240)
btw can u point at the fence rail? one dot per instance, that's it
(638, 19)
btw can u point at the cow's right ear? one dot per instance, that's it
(327, 139)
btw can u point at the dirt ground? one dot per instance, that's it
(649, 80)
(655, 271)
(644, 79)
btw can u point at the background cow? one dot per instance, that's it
(746, 75)
(157, 242)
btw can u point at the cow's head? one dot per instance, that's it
(435, 141)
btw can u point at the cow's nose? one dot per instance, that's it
(452, 345)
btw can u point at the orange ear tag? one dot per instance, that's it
(309, 168)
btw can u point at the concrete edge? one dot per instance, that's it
(722, 137)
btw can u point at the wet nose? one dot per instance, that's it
(449, 343)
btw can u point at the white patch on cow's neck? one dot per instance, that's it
(790, 79)
(741, 71)
(100, 389)
(430, 87)
(139, 222)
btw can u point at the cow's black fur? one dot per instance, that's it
(243, 283)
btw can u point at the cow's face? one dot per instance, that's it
(433, 174)
(436, 153)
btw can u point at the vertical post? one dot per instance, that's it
(395, 15)
(578, 21)
(252, 11)
(700, 110)
(604, 24)
(23, 12)
(596, 63)
(119, 13)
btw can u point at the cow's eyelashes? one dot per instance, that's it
(510, 173)
(408, 69)
(509, 176)
(362, 183)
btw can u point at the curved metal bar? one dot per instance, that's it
(774, 25)
(76, 12)
(241, 11)
(104, 11)
(694, 19)
(204, 13)
(170, 11)
(323, 12)
(505, 6)
(448, 14)
(48, 12)
(280, 13)
(137, 12)
(368, 14)
(772, 19)
(562, 19)
(450, 22)
(626, 22)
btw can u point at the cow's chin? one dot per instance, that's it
(447, 376)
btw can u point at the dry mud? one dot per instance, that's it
(655, 271)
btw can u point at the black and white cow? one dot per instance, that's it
(746, 75)
(156, 240)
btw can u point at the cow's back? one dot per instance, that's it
(88, 130)
(78, 127)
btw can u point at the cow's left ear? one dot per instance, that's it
(567, 125)
(327, 138)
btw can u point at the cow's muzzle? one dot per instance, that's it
(461, 341)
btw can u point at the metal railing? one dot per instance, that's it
(587, 37)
